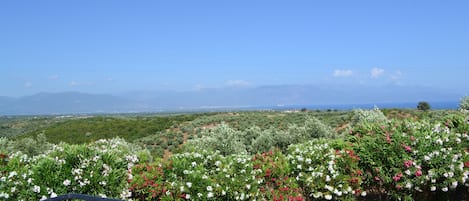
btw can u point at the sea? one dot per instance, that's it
(451, 105)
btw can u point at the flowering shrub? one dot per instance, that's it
(368, 116)
(326, 169)
(464, 103)
(101, 168)
(210, 176)
(404, 159)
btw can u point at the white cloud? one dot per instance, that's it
(342, 73)
(237, 83)
(73, 83)
(396, 75)
(376, 72)
(28, 84)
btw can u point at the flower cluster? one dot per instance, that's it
(100, 168)
(325, 172)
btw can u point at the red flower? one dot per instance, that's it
(408, 163)
(388, 138)
(407, 148)
(397, 177)
(466, 164)
(418, 173)
(359, 172)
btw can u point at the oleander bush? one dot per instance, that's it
(100, 168)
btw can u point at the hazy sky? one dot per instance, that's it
(108, 46)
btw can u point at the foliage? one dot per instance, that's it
(12, 126)
(326, 169)
(227, 140)
(419, 156)
(221, 138)
(423, 105)
(84, 130)
(101, 168)
(367, 116)
(464, 103)
(265, 156)
(31, 146)
(210, 176)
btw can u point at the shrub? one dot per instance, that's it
(368, 116)
(326, 169)
(222, 138)
(424, 106)
(100, 168)
(464, 103)
(31, 146)
(419, 157)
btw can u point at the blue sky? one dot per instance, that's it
(117, 46)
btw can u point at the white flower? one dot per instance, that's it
(189, 184)
(317, 195)
(210, 195)
(53, 195)
(209, 188)
(328, 197)
(298, 166)
(451, 174)
(188, 196)
(454, 184)
(407, 172)
(363, 194)
(12, 174)
(36, 189)
(426, 158)
(194, 164)
(223, 192)
(199, 195)
(408, 185)
(4, 195)
(248, 186)
(444, 189)
(126, 194)
(433, 188)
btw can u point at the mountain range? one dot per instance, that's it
(227, 97)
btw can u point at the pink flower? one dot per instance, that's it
(418, 173)
(407, 148)
(397, 177)
(408, 163)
